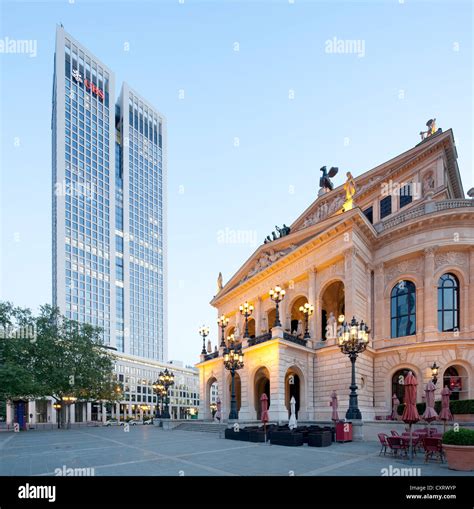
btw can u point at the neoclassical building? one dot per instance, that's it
(400, 257)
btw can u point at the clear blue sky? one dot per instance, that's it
(417, 64)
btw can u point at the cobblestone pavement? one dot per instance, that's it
(148, 450)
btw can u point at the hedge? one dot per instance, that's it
(464, 406)
(463, 436)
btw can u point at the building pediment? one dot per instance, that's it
(273, 255)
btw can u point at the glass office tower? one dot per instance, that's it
(109, 192)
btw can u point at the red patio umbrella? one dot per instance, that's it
(445, 414)
(334, 404)
(264, 413)
(410, 413)
(430, 413)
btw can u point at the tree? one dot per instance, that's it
(66, 359)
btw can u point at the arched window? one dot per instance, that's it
(403, 309)
(448, 303)
(398, 386)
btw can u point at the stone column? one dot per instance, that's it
(349, 284)
(54, 413)
(381, 319)
(72, 413)
(32, 411)
(104, 413)
(89, 412)
(117, 411)
(312, 300)
(10, 413)
(429, 294)
(258, 316)
(49, 411)
(277, 411)
(471, 291)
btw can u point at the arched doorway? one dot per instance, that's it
(271, 314)
(211, 396)
(297, 317)
(398, 387)
(455, 378)
(251, 325)
(238, 390)
(332, 305)
(293, 388)
(261, 385)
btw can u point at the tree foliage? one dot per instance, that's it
(63, 358)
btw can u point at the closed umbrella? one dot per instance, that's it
(292, 424)
(410, 413)
(430, 413)
(264, 412)
(218, 415)
(445, 414)
(395, 403)
(334, 404)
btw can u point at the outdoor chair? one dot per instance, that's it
(396, 444)
(433, 446)
(383, 442)
(394, 433)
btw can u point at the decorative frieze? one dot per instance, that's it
(326, 209)
(456, 258)
(267, 258)
(414, 265)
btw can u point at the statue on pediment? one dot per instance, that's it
(325, 180)
(220, 284)
(431, 125)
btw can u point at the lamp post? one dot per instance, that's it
(159, 389)
(69, 400)
(233, 361)
(277, 294)
(204, 332)
(166, 379)
(246, 310)
(307, 310)
(434, 372)
(57, 407)
(353, 339)
(223, 321)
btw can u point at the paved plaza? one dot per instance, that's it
(148, 450)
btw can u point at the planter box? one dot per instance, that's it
(460, 457)
(286, 438)
(243, 434)
(322, 439)
(463, 417)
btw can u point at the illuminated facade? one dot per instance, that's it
(393, 247)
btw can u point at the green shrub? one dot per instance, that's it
(461, 437)
(465, 406)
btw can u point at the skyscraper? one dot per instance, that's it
(109, 195)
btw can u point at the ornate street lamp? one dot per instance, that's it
(353, 339)
(233, 361)
(159, 389)
(434, 372)
(246, 310)
(166, 379)
(223, 322)
(204, 332)
(307, 310)
(277, 294)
